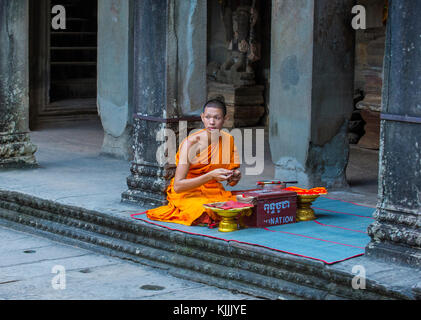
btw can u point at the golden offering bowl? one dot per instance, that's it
(229, 221)
(304, 210)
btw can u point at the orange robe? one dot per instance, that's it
(186, 207)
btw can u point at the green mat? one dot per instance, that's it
(338, 233)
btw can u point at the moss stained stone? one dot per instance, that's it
(16, 149)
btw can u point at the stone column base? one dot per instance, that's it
(148, 185)
(396, 237)
(324, 167)
(16, 150)
(289, 169)
(371, 138)
(149, 179)
(118, 147)
(399, 254)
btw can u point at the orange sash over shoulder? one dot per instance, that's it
(186, 207)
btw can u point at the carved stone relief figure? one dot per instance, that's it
(240, 19)
(233, 76)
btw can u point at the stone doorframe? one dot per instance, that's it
(41, 107)
(39, 34)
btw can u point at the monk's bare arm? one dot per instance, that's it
(182, 184)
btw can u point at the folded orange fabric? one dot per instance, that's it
(313, 191)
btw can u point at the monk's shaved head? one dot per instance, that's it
(216, 103)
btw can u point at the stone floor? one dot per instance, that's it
(27, 262)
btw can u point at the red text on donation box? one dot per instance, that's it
(271, 208)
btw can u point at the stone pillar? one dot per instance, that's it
(16, 148)
(115, 65)
(396, 233)
(311, 90)
(190, 20)
(163, 81)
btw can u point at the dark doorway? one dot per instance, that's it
(63, 63)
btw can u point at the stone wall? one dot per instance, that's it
(369, 54)
(375, 29)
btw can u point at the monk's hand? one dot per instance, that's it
(236, 176)
(221, 174)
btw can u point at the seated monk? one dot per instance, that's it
(204, 160)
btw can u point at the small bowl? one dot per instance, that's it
(228, 221)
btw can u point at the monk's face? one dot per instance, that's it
(213, 119)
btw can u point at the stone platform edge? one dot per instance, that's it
(229, 265)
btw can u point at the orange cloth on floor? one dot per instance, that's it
(186, 207)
